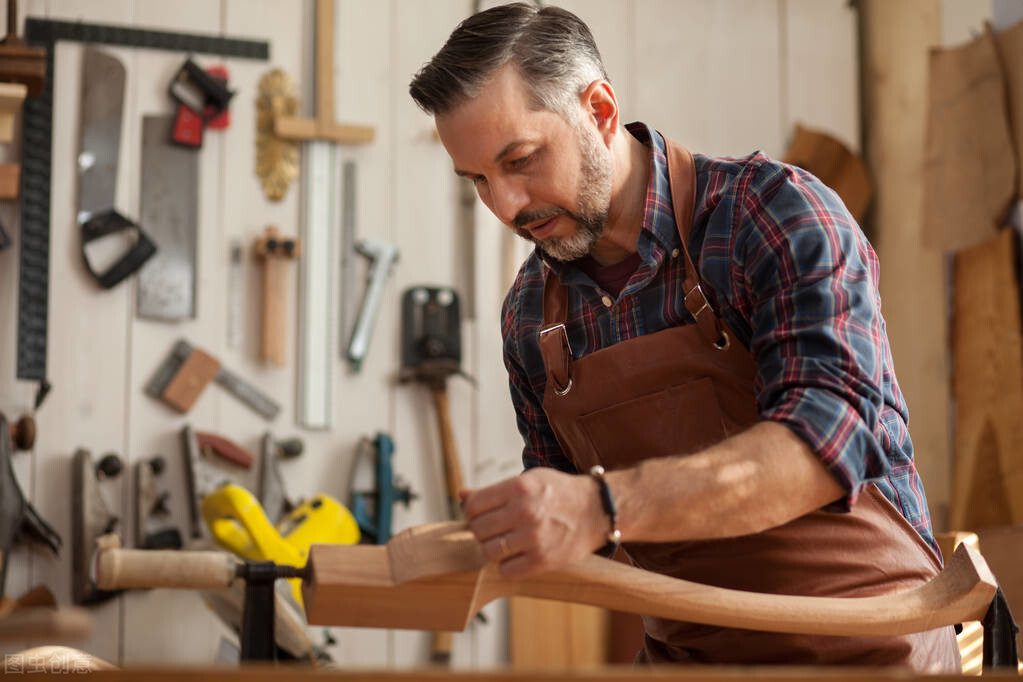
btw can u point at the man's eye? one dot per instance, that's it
(520, 162)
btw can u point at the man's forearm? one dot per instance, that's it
(755, 480)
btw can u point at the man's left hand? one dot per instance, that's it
(536, 522)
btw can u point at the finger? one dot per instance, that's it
(519, 566)
(490, 525)
(500, 547)
(485, 499)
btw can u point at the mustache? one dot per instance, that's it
(526, 217)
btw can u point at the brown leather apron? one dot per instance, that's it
(681, 390)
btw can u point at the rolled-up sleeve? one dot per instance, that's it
(809, 279)
(541, 447)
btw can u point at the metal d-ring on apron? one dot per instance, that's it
(681, 390)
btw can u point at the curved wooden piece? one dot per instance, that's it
(434, 577)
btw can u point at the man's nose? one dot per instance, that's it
(508, 198)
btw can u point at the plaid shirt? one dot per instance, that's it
(790, 271)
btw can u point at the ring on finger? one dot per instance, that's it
(503, 542)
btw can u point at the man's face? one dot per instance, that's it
(546, 178)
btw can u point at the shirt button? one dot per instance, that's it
(674, 254)
(607, 302)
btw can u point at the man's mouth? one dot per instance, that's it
(544, 227)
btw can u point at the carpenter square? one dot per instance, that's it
(180, 379)
(37, 133)
(169, 211)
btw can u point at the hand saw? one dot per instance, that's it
(169, 208)
(113, 247)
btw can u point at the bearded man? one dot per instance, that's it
(696, 355)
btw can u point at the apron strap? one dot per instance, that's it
(682, 175)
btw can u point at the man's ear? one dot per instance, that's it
(601, 105)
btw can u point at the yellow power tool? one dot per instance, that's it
(237, 522)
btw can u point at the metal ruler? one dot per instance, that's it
(318, 314)
(34, 258)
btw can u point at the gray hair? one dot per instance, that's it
(552, 49)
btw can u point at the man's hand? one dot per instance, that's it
(536, 522)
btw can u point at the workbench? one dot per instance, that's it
(614, 674)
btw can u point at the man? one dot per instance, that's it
(707, 330)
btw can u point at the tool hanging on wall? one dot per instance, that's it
(234, 296)
(23, 433)
(20, 63)
(169, 207)
(376, 489)
(208, 466)
(382, 258)
(19, 520)
(202, 97)
(12, 95)
(37, 130)
(10, 180)
(431, 351)
(92, 517)
(113, 247)
(322, 135)
(276, 251)
(346, 321)
(276, 157)
(271, 491)
(152, 512)
(181, 378)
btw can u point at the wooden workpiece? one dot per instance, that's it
(434, 577)
(275, 251)
(323, 127)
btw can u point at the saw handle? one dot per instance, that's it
(146, 568)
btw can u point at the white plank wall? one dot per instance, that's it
(721, 76)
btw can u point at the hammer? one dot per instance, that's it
(274, 250)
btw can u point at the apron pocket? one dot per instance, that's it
(678, 420)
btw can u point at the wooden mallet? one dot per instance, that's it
(275, 251)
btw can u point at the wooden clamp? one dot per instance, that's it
(275, 251)
(323, 127)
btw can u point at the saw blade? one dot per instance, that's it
(102, 107)
(169, 214)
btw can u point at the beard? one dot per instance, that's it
(592, 206)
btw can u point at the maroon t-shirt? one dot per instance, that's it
(610, 278)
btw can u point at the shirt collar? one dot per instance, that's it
(658, 232)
